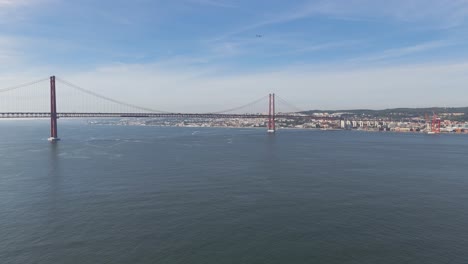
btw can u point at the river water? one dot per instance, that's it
(123, 194)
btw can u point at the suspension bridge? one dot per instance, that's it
(31, 100)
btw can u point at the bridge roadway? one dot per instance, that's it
(148, 115)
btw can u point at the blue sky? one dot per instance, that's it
(199, 55)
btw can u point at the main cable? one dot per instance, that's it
(290, 105)
(240, 107)
(22, 85)
(108, 98)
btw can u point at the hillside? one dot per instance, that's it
(452, 113)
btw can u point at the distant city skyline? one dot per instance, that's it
(206, 55)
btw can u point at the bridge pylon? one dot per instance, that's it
(53, 112)
(271, 114)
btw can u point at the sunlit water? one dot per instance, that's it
(114, 194)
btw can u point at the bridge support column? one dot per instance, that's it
(53, 112)
(271, 114)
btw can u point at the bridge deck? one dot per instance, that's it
(144, 115)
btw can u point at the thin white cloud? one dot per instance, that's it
(308, 48)
(6, 3)
(404, 51)
(215, 3)
(16, 3)
(274, 45)
(14, 11)
(294, 14)
(10, 54)
(433, 13)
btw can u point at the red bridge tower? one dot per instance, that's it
(53, 112)
(271, 114)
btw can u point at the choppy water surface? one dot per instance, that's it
(109, 194)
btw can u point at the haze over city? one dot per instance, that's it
(205, 55)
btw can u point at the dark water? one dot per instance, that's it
(108, 194)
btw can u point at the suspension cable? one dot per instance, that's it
(108, 98)
(290, 105)
(239, 107)
(22, 85)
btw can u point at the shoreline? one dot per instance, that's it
(285, 128)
